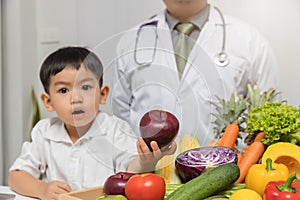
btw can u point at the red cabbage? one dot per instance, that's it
(192, 163)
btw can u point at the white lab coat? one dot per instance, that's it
(138, 89)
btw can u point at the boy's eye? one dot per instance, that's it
(86, 87)
(63, 90)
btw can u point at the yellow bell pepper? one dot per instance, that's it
(259, 175)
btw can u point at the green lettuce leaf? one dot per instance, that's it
(280, 122)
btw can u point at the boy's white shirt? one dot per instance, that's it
(105, 149)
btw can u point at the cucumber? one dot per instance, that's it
(208, 183)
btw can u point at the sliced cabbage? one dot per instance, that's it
(192, 163)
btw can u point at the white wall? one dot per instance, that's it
(278, 21)
(1, 113)
(19, 59)
(57, 25)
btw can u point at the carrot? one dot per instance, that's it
(230, 136)
(240, 157)
(251, 156)
(260, 136)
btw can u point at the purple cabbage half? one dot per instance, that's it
(192, 163)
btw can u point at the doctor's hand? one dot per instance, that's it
(150, 158)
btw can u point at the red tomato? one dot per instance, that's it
(146, 186)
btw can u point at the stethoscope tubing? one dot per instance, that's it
(221, 59)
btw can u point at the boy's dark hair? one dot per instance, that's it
(70, 57)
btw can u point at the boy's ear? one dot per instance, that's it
(104, 90)
(46, 99)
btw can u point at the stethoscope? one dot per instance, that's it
(221, 59)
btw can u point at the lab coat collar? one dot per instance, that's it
(161, 18)
(213, 19)
(214, 16)
(210, 27)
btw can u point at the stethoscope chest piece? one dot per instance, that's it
(221, 59)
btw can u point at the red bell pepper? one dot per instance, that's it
(282, 190)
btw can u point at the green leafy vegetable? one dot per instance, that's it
(171, 188)
(280, 122)
(36, 109)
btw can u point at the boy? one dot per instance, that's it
(82, 146)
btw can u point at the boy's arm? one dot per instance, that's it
(25, 184)
(147, 160)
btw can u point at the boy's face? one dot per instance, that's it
(75, 95)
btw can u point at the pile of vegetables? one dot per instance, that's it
(221, 170)
(279, 121)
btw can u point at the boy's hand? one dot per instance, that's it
(54, 188)
(150, 159)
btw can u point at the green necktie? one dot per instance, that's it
(182, 47)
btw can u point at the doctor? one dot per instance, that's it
(146, 75)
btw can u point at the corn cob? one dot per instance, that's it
(187, 142)
(167, 170)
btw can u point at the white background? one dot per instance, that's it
(32, 29)
(1, 133)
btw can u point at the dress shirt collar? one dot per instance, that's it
(198, 20)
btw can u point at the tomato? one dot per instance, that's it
(148, 186)
(245, 194)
